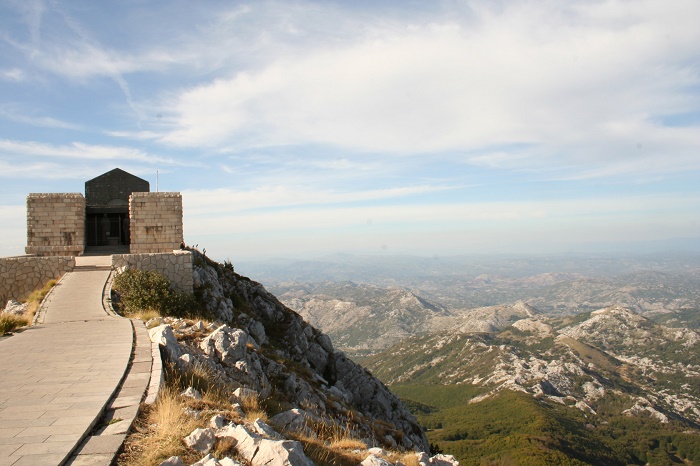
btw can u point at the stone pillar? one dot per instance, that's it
(155, 222)
(55, 224)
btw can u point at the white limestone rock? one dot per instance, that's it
(236, 409)
(217, 421)
(172, 461)
(260, 451)
(376, 451)
(243, 393)
(266, 431)
(15, 308)
(178, 324)
(201, 440)
(191, 392)
(186, 359)
(280, 453)
(226, 344)
(246, 442)
(154, 322)
(423, 458)
(165, 338)
(374, 460)
(198, 326)
(226, 431)
(228, 462)
(294, 420)
(208, 460)
(443, 460)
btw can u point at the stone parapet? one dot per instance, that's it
(156, 222)
(175, 265)
(55, 224)
(21, 275)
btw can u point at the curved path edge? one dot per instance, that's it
(141, 384)
(71, 386)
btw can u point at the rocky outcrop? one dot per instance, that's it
(258, 444)
(261, 345)
(259, 450)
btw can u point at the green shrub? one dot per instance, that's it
(149, 290)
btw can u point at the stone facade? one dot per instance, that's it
(117, 211)
(19, 276)
(55, 224)
(175, 265)
(156, 222)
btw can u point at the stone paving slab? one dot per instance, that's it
(57, 377)
(105, 442)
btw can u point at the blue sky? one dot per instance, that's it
(302, 128)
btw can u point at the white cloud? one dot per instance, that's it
(78, 150)
(575, 84)
(16, 114)
(226, 201)
(13, 74)
(137, 135)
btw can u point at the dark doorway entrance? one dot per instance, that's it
(107, 228)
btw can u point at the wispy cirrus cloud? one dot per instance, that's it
(137, 135)
(78, 150)
(226, 200)
(13, 75)
(16, 114)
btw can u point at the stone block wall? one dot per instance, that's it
(19, 276)
(55, 224)
(155, 222)
(176, 265)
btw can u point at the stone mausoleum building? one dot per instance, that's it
(118, 209)
(118, 216)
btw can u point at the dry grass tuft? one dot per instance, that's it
(10, 322)
(224, 447)
(252, 406)
(144, 314)
(38, 295)
(160, 432)
(407, 458)
(251, 416)
(348, 443)
(329, 443)
(324, 454)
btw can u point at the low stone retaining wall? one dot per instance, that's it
(21, 275)
(176, 266)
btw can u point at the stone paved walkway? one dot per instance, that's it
(56, 377)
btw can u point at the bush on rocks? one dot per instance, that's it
(149, 290)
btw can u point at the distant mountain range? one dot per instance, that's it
(608, 378)
(523, 360)
(363, 318)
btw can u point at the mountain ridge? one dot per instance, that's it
(607, 366)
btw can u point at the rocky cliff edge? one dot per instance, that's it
(257, 343)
